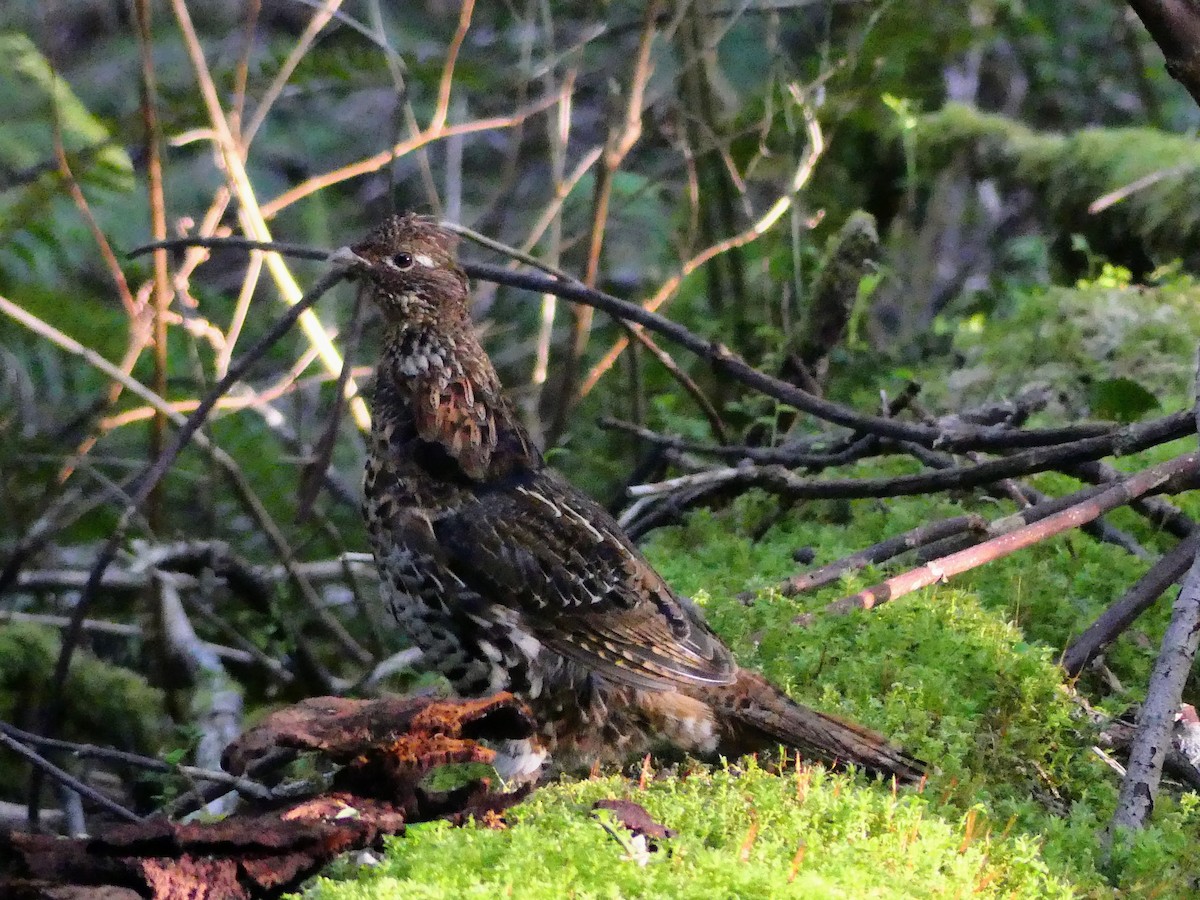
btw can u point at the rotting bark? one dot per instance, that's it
(387, 746)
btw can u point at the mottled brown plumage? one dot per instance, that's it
(508, 578)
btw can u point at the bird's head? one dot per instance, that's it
(413, 274)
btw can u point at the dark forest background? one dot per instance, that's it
(962, 215)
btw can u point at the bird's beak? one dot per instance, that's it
(345, 258)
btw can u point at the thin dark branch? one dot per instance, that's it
(685, 381)
(1157, 715)
(300, 251)
(784, 455)
(727, 362)
(1117, 618)
(1156, 718)
(1159, 512)
(41, 764)
(239, 783)
(941, 570)
(882, 552)
(1175, 27)
(779, 480)
(150, 476)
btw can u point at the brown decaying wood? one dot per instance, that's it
(387, 747)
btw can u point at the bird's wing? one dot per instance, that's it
(546, 550)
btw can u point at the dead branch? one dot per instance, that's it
(668, 289)
(229, 467)
(726, 362)
(918, 537)
(779, 480)
(123, 757)
(1118, 733)
(216, 701)
(1114, 621)
(620, 140)
(1157, 716)
(1024, 496)
(43, 765)
(1156, 510)
(1164, 691)
(387, 748)
(947, 567)
(960, 437)
(185, 561)
(791, 456)
(1175, 27)
(119, 629)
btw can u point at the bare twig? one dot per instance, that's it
(250, 213)
(764, 224)
(725, 361)
(153, 474)
(43, 765)
(797, 456)
(685, 381)
(779, 480)
(321, 16)
(1141, 596)
(238, 481)
(1156, 510)
(621, 140)
(1164, 691)
(374, 163)
(918, 537)
(239, 783)
(947, 567)
(1157, 715)
(118, 629)
(216, 700)
(158, 227)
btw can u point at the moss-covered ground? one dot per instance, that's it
(964, 675)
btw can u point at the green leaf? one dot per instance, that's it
(35, 97)
(1122, 399)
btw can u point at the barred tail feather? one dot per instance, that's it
(755, 716)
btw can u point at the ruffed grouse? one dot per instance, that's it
(508, 578)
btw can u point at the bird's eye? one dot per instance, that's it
(403, 261)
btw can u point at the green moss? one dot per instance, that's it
(741, 834)
(1068, 172)
(102, 703)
